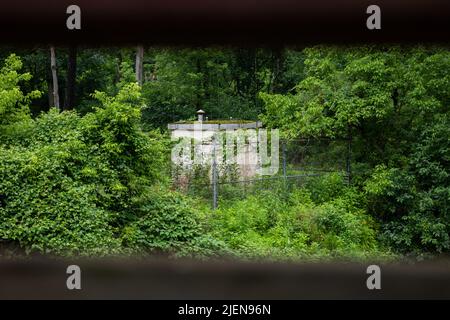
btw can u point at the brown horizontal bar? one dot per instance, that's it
(190, 279)
(208, 22)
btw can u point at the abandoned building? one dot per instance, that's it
(238, 143)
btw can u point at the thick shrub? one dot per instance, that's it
(73, 184)
(45, 210)
(165, 220)
(13, 102)
(270, 226)
(414, 201)
(327, 187)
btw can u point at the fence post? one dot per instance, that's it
(283, 146)
(214, 174)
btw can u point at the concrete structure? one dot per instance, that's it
(230, 143)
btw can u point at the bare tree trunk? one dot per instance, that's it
(139, 64)
(69, 100)
(277, 60)
(54, 77)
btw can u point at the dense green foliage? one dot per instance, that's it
(393, 104)
(95, 180)
(80, 185)
(300, 224)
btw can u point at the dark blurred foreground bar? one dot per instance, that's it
(209, 22)
(186, 279)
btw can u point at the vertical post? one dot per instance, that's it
(214, 174)
(283, 146)
(139, 64)
(54, 78)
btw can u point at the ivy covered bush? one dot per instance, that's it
(92, 184)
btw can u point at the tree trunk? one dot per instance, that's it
(55, 89)
(69, 100)
(277, 60)
(51, 101)
(139, 64)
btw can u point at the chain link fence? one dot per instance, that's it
(300, 161)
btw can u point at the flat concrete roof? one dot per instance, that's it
(214, 126)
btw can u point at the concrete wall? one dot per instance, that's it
(245, 156)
